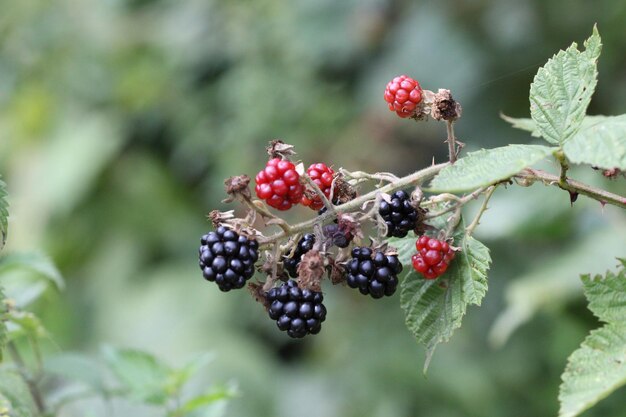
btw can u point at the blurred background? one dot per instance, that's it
(120, 119)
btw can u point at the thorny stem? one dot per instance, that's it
(360, 175)
(470, 229)
(416, 178)
(573, 187)
(25, 374)
(560, 156)
(266, 213)
(451, 141)
(329, 206)
(461, 201)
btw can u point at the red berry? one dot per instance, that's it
(279, 184)
(403, 94)
(323, 177)
(432, 258)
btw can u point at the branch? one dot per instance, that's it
(451, 141)
(572, 186)
(470, 229)
(410, 180)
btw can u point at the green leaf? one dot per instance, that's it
(36, 262)
(562, 90)
(25, 323)
(526, 124)
(78, 368)
(14, 395)
(140, 373)
(602, 143)
(3, 326)
(214, 395)
(598, 367)
(435, 308)
(4, 214)
(487, 166)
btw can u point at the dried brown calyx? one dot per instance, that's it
(237, 186)
(444, 107)
(311, 270)
(279, 149)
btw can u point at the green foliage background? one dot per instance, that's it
(119, 120)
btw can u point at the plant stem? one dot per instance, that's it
(30, 382)
(560, 156)
(470, 229)
(460, 202)
(451, 141)
(266, 214)
(410, 180)
(572, 186)
(329, 206)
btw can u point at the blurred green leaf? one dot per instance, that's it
(562, 90)
(4, 213)
(141, 373)
(179, 377)
(213, 395)
(521, 123)
(602, 143)
(14, 395)
(435, 308)
(598, 367)
(25, 323)
(3, 326)
(76, 367)
(33, 261)
(550, 285)
(487, 166)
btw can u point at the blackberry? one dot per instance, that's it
(403, 95)
(297, 311)
(399, 215)
(433, 257)
(305, 244)
(227, 258)
(337, 236)
(373, 272)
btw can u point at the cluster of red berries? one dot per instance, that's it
(432, 258)
(279, 184)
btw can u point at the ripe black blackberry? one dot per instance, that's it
(399, 215)
(298, 312)
(227, 258)
(373, 272)
(338, 237)
(305, 244)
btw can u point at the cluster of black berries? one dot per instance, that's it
(297, 311)
(373, 272)
(305, 244)
(399, 214)
(227, 258)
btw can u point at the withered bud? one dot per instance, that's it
(349, 227)
(444, 107)
(257, 293)
(237, 185)
(311, 270)
(420, 226)
(268, 269)
(218, 217)
(611, 173)
(342, 191)
(279, 149)
(336, 272)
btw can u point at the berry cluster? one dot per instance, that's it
(403, 95)
(322, 176)
(399, 215)
(373, 272)
(297, 311)
(279, 184)
(227, 258)
(304, 245)
(432, 258)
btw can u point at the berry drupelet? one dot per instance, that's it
(305, 244)
(432, 258)
(373, 272)
(297, 311)
(227, 258)
(399, 215)
(403, 95)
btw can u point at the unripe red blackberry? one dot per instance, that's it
(279, 184)
(373, 272)
(305, 244)
(403, 95)
(432, 258)
(321, 175)
(399, 215)
(227, 258)
(297, 311)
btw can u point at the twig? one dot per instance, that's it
(560, 156)
(30, 382)
(410, 180)
(573, 187)
(461, 201)
(379, 176)
(470, 229)
(267, 214)
(451, 141)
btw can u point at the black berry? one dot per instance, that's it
(227, 258)
(338, 237)
(297, 311)
(305, 244)
(373, 272)
(399, 215)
